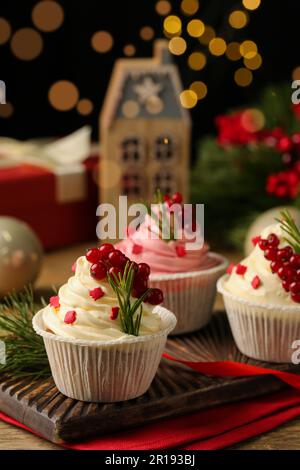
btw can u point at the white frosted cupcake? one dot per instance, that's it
(100, 349)
(262, 295)
(187, 276)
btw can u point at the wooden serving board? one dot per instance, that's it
(175, 391)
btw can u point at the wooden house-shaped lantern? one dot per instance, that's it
(145, 132)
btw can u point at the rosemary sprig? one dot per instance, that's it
(289, 226)
(24, 349)
(130, 313)
(163, 219)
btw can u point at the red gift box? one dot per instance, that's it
(60, 208)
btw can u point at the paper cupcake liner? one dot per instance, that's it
(264, 332)
(108, 371)
(190, 296)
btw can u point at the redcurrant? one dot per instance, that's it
(98, 270)
(93, 255)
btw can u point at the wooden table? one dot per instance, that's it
(56, 269)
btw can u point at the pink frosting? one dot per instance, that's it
(165, 256)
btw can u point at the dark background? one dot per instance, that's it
(68, 55)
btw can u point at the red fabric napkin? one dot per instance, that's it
(214, 428)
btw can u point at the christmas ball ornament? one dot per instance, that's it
(20, 255)
(265, 219)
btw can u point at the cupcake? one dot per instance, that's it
(104, 343)
(262, 297)
(187, 276)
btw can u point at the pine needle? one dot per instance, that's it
(289, 226)
(25, 352)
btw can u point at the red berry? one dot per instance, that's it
(284, 144)
(155, 297)
(116, 258)
(144, 270)
(271, 254)
(137, 249)
(93, 255)
(263, 244)
(255, 240)
(241, 269)
(273, 240)
(256, 282)
(105, 249)
(114, 271)
(230, 268)
(134, 266)
(284, 254)
(180, 251)
(98, 271)
(286, 285)
(139, 287)
(70, 317)
(296, 297)
(177, 198)
(295, 288)
(275, 265)
(97, 293)
(295, 261)
(285, 273)
(114, 313)
(54, 301)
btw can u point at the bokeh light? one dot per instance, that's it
(254, 62)
(217, 46)
(251, 4)
(189, 7)
(163, 7)
(172, 25)
(195, 28)
(177, 45)
(207, 36)
(26, 44)
(147, 33)
(197, 61)
(253, 120)
(63, 95)
(6, 110)
(102, 41)
(243, 77)
(248, 49)
(47, 15)
(5, 31)
(296, 73)
(129, 50)
(188, 99)
(200, 89)
(84, 106)
(233, 51)
(238, 19)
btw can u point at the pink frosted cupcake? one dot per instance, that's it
(187, 276)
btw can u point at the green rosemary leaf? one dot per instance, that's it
(289, 226)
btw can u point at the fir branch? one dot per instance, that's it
(289, 226)
(25, 352)
(130, 314)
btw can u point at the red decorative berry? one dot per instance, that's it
(286, 285)
(294, 261)
(114, 271)
(285, 273)
(230, 268)
(177, 198)
(255, 240)
(98, 271)
(275, 265)
(295, 288)
(155, 297)
(271, 254)
(114, 313)
(284, 254)
(93, 255)
(263, 244)
(97, 293)
(140, 285)
(296, 297)
(273, 240)
(256, 282)
(144, 270)
(134, 266)
(70, 317)
(241, 269)
(105, 249)
(136, 249)
(116, 258)
(180, 251)
(54, 301)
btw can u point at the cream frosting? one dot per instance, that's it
(161, 255)
(92, 316)
(270, 290)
